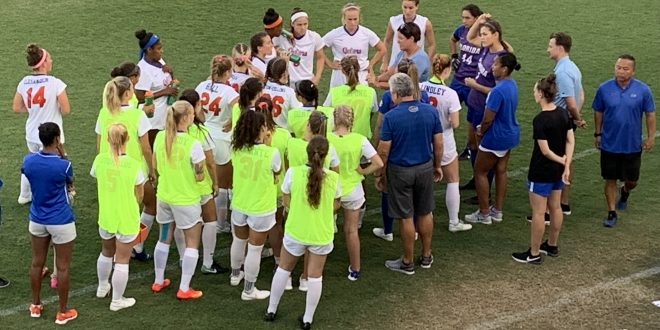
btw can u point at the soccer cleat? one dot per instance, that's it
(352, 274)
(566, 209)
(121, 303)
(546, 219)
(380, 232)
(270, 317)
(398, 265)
(304, 325)
(527, 257)
(223, 227)
(35, 310)
(214, 269)
(190, 294)
(477, 217)
(159, 287)
(465, 154)
(53, 282)
(4, 282)
(236, 280)
(289, 285)
(302, 285)
(460, 226)
(426, 262)
(610, 220)
(63, 318)
(103, 290)
(495, 214)
(44, 272)
(142, 256)
(549, 250)
(255, 294)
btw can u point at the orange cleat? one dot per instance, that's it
(158, 287)
(63, 318)
(35, 310)
(190, 294)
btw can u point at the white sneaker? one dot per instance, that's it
(102, 290)
(495, 215)
(303, 285)
(460, 226)
(122, 303)
(289, 284)
(23, 200)
(236, 280)
(477, 217)
(255, 294)
(266, 253)
(380, 232)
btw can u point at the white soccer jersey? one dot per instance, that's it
(446, 101)
(152, 78)
(259, 64)
(395, 23)
(283, 98)
(215, 99)
(343, 44)
(237, 79)
(39, 93)
(305, 47)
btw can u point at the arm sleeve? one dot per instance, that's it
(318, 42)
(374, 101)
(61, 86)
(197, 153)
(286, 183)
(437, 124)
(368, 150)
(334, 159)
(140, 178)
(385, 130)
(385, 101)
(329, 38)
(457, 33)
(69, 172)
(338, 192)
(97, 127)
(494, 100)
(276, 161)
(539, 132)
(454, 101)
(597, 104)
(565, 86)
(424, 97)
(144, 84)
(373, 38)
(328, 99)
(649, 104)
(92, 171)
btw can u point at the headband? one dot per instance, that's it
(44, 56)
(298, 15)
(152, 41)
(277, 22)
(344, 10)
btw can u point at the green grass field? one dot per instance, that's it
(604, 278)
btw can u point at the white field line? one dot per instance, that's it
(566, 299)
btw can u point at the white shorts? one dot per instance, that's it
(34, 147)
(259, 223)
(205, 199)
(448, 156)
(222, 151)
(119, 237)
(448, 148)
(183, 216)
(297, 249)
(354, 199)
(59, 234)
(498, 153)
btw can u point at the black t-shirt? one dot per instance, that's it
(552, 127)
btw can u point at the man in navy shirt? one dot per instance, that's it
(411, 148)
(619, 105)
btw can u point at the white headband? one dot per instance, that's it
(298, 15)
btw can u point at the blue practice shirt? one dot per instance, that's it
(622, 110)
(386, 103)
(421, 60)
(48, 175)
(504, 132)
(569, 82)
(410, 127)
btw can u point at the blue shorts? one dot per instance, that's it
(544, 188)
(474, 117)
(461, 89)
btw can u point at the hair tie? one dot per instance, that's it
(152, 41)
(277, 22)
(263, 105)
(44, 56)
(298, 15)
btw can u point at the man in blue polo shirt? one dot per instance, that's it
(619, 105)
(411, 148)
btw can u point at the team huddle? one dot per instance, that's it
(252, 151)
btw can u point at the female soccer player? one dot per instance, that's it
(217, 101)
(360, 97)
(499, 132)
(352, 39)
(44, 98)
(446, 101)
(120, 182)
(208, 188)
(316, 125)
(261, 46)
(307, 45)
(179, 162)
(351, 148)
(308, 94)
(242, 67)
(311, 193)
(273, 26)
(277, 88)
(51, 217)
(254, 202)
(549, 170)
(409, 10)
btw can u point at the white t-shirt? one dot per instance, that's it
(143, 125)
(334, 158)
(196, 151)
(286, 184)
(152, 78)
(207, 142)
(39, 93)
(283, 98)
(237, 80)
(305, 47)
(343, 44)
(141, 178)
(395, 23)
(260, 64)
(215, 99)
(446, 101)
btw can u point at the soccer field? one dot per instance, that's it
(604, 278)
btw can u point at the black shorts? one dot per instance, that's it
(617, 166)
(410, 190)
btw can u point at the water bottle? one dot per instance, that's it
(172, 98)
(149, 100)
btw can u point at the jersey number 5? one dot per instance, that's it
(277, 104)
(37, 98)
(210, 106)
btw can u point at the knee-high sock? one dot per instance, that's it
(252, 264)
(221, 205)
(180, 241)
(119, 281)
(147, 220)
(103, 269)
(190, 257)
(314, 287)
(209, 232)
(26, 191)
(237, 252)
(161, 253)
(277, 288)
(453, 201)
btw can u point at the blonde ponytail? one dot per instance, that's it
(351, 67)
(117, 138)
(175, 113)
(114, 91)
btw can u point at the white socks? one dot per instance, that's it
(103, 269)
(190, 257)
(237, 252)
(453, 201)
(119, 281)
(251, 266)
(277, 288)
(180, 242)
(147, 220)
(209, 232)
(314, 287)
(221, 205)
(161, 253)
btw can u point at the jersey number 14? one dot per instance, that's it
(37, 98)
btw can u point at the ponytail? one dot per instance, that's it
(308, 91)
(117, 138)
(317, 150)
(351, 67)
(175, 114)
(409, 67)
(114, 91)
(343, 115)
(249, 92)
(265, 106)
(318, 123)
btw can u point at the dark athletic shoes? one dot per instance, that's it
(527, 257)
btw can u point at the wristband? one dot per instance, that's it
(454, 56)
(597, 134)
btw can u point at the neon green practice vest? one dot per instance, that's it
(201, 134)
(254, 189)
(361, 100)
(119, 211)
(176, 182)
(349, 151)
